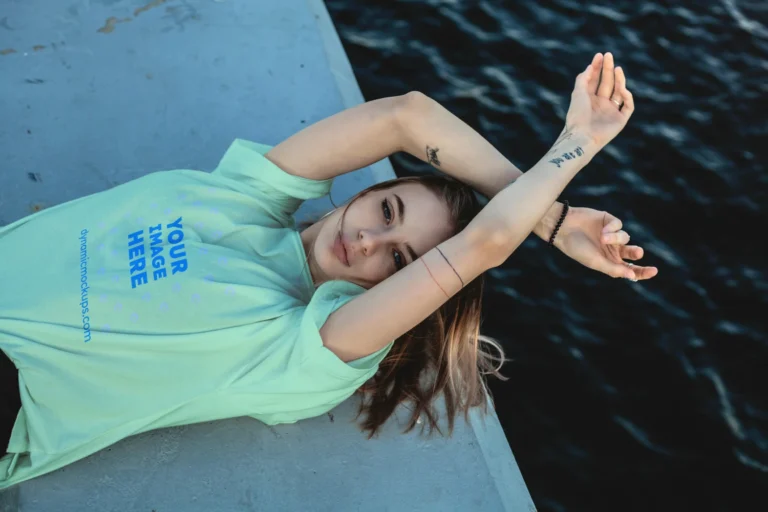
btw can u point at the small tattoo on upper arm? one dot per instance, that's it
(568, 155)
(432, 156)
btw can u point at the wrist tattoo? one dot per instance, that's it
(567, 134)
(432, 156)
(568, 155)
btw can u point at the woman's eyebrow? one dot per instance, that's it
(401, 216)
(400, 209)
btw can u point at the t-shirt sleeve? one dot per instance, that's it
(329, 297)
(321, 380)
(279, 191)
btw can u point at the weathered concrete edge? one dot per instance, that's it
(501, 462)
(497, 453)
(345, 79)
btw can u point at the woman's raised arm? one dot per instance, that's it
(364, 134)
(391, 308)
(346, 141)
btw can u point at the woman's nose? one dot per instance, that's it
(370, 240)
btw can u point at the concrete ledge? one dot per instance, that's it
(241, 464)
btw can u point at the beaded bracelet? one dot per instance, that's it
(562, 217)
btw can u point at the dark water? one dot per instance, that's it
(622, 396)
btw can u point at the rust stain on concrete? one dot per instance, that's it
(7, 51)
(38, 47)
(150, 5)
(109, 26)
(36, 207)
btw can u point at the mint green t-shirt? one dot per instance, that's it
(179, 297)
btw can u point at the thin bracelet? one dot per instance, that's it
(559, 223)
(433, 277)
(449, 263)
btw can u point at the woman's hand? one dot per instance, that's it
(601, 105)
(595, 239)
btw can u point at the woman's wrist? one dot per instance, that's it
(574, 142)
(547, 224)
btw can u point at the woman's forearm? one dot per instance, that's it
(512, 213)
(434, 135)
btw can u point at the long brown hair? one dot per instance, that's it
(445, 353)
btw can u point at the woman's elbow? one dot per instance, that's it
(408, 104)
(491, 246)
(414, 101)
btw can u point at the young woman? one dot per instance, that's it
(186, 296)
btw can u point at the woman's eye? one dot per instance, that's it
(398, 260)
(387, 212)
(388, 217)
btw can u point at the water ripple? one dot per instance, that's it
(639, 435)
(751, 26)
(726, 409)
(747, 461)
(607, 12)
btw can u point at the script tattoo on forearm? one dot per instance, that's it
(432, 156)
(568, 155)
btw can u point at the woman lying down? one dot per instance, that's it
(186, 296)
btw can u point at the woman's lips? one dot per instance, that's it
(340, 250)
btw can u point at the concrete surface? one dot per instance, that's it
(96, 93)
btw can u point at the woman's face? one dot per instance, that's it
(382, 232)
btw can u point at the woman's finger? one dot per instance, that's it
(619, 237)
(631, 252)
(623, 92)
(620, 84)
(605, 89)
(594, 80)
(613, 223)
(582, 79)
(642, 273)
(619, 270)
